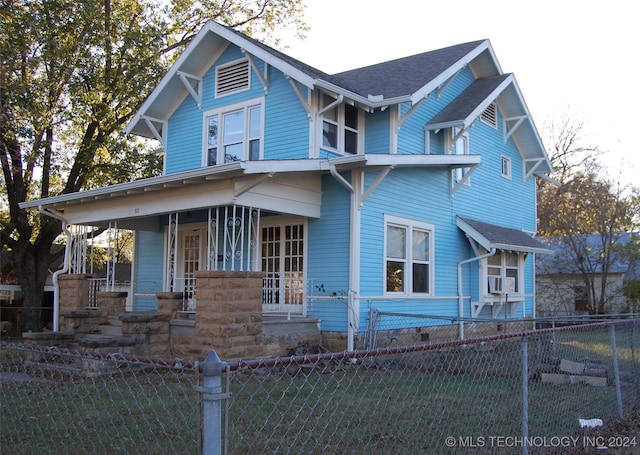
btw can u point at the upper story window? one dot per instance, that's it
(233, 133)
(458, 144)
(490, 115)
(232, 78)
(408, 256)
(506, 167)
(504, 270)
(340, 125)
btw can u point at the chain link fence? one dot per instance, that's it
(531, 391)
(85, 402)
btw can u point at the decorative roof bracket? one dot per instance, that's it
(408, 114)
(464, 179)
(263, 80)
(303, 99)
(509, 131)
(187, 79)
(252, 184)
(332, 105)
(530, 172)
(158, 128)
(375, 183)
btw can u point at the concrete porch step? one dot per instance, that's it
(112, 327)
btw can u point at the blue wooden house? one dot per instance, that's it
(408, 186)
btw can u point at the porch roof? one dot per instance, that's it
(285, 186)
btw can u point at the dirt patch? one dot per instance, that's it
(620, 436)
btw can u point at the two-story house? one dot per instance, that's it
(408, 186)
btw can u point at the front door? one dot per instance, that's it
(282, 259)
(190, 252)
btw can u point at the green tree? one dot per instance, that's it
(72, 74)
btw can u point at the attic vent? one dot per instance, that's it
(490, 115)
(232, 78)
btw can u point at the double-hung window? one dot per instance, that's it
(459, 145)
(504, 272)
(234, 133)
(408, 256)
(340, 125)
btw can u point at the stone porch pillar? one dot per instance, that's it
(229, 314)
(112, 303)
(74, 291)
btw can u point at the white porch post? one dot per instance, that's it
(353, 298)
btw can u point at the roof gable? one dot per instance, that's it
(401, 80)
(408, 79)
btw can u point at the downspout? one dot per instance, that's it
(65, 266)
(353, 307)
(460, 294)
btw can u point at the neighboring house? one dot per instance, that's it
(563, 289)
(11, 295)
(408, 186)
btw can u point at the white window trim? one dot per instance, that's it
(409, 224)
(507, 175)
(245, 106)
(232, 92)
(516, 296)
(341, 127)
(458, 174)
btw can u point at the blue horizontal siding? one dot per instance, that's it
(149, 268)
(286, 121)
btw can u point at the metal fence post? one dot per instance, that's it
(616, 370)
(212, 397)
(525, 395)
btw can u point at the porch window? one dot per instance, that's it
(409, 256)
(340, 125)
(504, 270)
(282, 259)
(234, 134)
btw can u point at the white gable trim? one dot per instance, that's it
(455, 68)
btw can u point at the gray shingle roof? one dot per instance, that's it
(406, 75)
(394, 78)
(461, 107)
(492, 236)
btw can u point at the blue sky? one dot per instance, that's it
(575, 58)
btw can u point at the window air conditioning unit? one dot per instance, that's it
(496, 285)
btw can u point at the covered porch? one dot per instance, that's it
(242, 216)
(231, 238)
